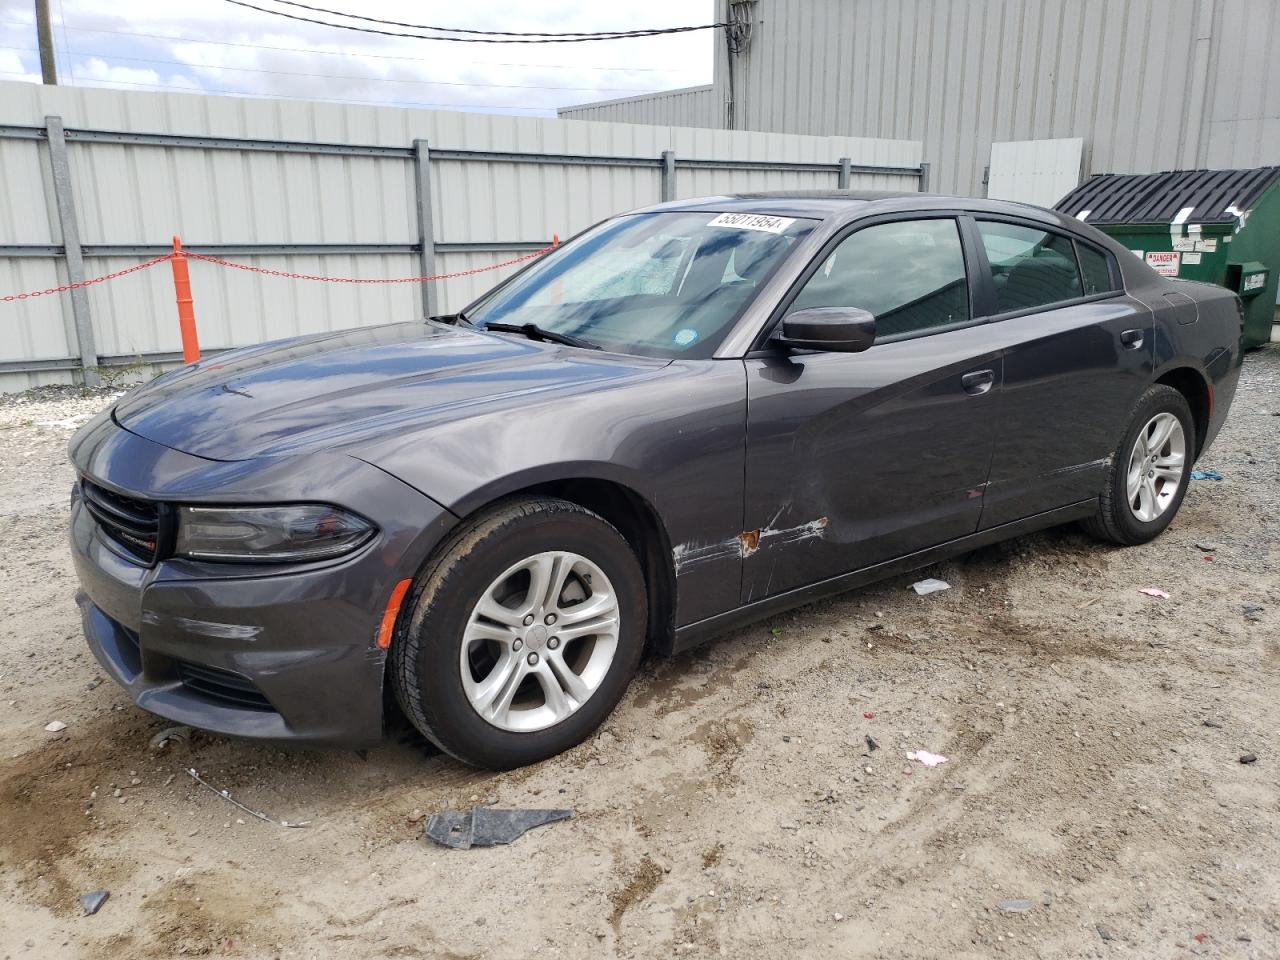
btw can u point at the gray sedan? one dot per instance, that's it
(682, 420)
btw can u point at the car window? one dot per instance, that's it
(667, 284)
(909, 274)
(1031, 268)
(1096, 268)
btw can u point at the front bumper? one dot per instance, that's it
(255, 651)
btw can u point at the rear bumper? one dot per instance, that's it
(260, 652)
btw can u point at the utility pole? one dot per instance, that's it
(44, 31)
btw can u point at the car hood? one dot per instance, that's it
(337, 390)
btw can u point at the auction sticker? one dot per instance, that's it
(1164, 262)
(752, 221)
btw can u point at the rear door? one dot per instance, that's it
(857, 458)
(1077, 353)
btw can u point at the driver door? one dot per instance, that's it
(858, 458)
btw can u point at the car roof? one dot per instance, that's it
(844, 205)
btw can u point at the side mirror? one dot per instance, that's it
(840, 329)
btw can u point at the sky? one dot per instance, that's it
(216, 47)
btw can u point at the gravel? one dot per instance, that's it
(1072, 710)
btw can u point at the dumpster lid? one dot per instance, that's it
(1214, 196)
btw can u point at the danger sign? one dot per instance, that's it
(1164, 262)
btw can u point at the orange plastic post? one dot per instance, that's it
(186, 309)
(555, 240)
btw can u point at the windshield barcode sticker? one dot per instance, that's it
(752, 221)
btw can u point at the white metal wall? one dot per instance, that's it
(1148, 84)
(144, 194)
(686, 107)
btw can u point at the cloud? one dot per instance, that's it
(215, 46)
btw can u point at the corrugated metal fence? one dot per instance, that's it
(92, 181)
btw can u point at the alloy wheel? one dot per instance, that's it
(1156, 465)
(539, 642)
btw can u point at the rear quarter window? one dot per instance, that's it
(1095, 267)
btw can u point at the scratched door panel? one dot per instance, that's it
(853, 459)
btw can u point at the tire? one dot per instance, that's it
(438, 665)
(1117, 520)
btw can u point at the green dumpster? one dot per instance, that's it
(1216, 226)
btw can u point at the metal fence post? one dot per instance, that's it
(426, 226)
(668, 176)
(79, 326)
(924, 178)
(842, 181)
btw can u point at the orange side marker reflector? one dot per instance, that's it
(393, 609)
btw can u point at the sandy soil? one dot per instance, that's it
(732, 806)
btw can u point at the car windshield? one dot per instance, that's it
(654, 284)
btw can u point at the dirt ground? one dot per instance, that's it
(732, 806)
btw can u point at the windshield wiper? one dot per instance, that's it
(457, 319)
(535, 332)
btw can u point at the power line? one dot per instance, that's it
(563, 34)
(328, 76)
(454, 39)
(337, 53)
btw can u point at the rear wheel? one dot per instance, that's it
(1148, 476)
(525, 631)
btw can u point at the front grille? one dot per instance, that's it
(134, 524)
(223, 685)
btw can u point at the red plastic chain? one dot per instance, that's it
(310, 276)
(84, 283)
(277, 273)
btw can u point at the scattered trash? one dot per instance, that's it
(1205, 475)
(1103, 932)
(871, 743)
(926, 587)
(1207, 547)
(56, 726)
(1249, 758)
(1209, 558)
(1015, 906)
(927, 758)
(1154, 592)
(227, 797)
(161, 739)
(868, 716)
(485, 826)
(1252, 612)
(94, 683)
(1213, 723)
(1200, 937)
(91, 903)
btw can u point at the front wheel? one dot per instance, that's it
(1150, 470)
(525, 630)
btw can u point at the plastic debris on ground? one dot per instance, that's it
(169, 734)
(55, 726)
(930, 585)
(486, 826)
(871, 743)
(1015, 906)
(91, 903)
(1154, 592)
(927, 758)
(225, 795)
(1205, 475)
(1249, 758)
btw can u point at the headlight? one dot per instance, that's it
(304, 531)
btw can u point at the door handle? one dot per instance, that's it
(1132, 339)
(978, 382)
